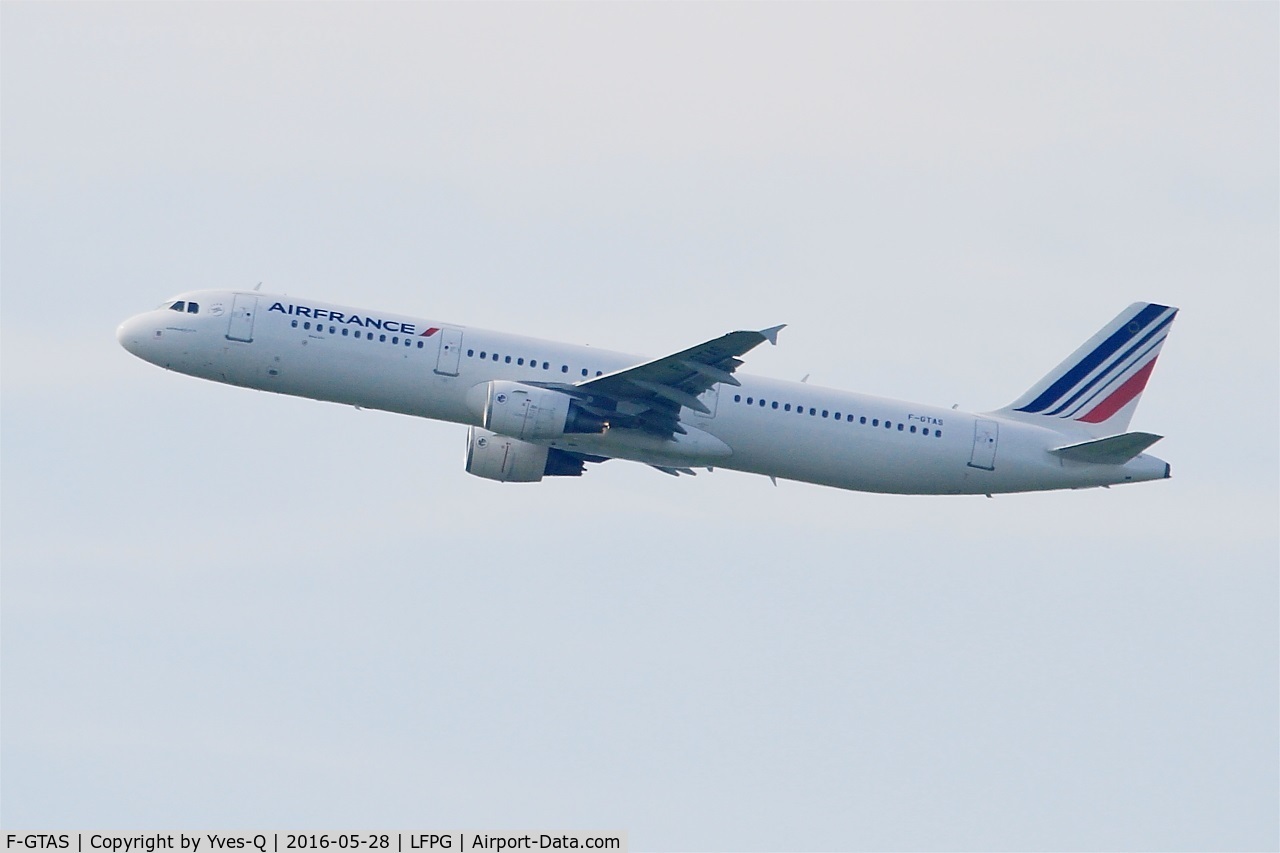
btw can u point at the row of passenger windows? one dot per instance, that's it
(827, 413)
(520, 362)
(564, 368)
(356, 333)
(188, 307)
(395, 339)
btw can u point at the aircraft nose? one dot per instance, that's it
(130, 334)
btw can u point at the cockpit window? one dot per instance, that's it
(193, 307)
(178, 306)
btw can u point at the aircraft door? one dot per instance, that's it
(450, 351)
(985, 436)
(240, 326)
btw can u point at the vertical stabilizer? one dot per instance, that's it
(1097, 388)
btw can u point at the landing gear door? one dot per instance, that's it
(709, 398)
(450, 351)
(985, 436)
(240, 326)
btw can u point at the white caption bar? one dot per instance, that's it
(490, 841)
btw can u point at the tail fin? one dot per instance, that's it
(1099, 385)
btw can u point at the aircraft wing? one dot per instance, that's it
(649, 396)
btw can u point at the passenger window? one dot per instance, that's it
(737, 398)
(382, 339)
(306, 325)
(599, 373)
(751, 401)
(483, 354)
(787, 407)
(345, 332)
(584, 371)
(193, 308)
(546, 365)
(775, 404)
(888, 425)
(875, 422)
(837, 416)
(395, 339)
(294, 324)
(825, 413)
(762, 403)
(520, 362)
(419, 344)
(471, 353)
(937, 433)
(564, 368)
(849, 418)
(332, 330)
(913, 427)
(507, 359)
(899, 427)
(813, 411)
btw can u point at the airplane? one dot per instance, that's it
(537, 408)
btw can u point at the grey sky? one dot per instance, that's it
(225, 609)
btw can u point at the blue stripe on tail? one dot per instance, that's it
(1105, 388)
(1100, 354)
(1113, 366)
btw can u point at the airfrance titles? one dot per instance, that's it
(350, 319)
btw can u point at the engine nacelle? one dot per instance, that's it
(505, 459)
(510, 460)
(524, 411)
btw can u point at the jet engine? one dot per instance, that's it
(510, 460)
(524, 411)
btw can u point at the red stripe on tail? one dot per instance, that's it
(1121, 396)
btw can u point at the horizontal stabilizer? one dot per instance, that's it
(1112, 450)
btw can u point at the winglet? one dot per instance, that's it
(771, 333)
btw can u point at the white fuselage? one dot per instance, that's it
(782, 429)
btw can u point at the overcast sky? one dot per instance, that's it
(224, 609)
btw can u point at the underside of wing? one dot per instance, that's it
(566, 463)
